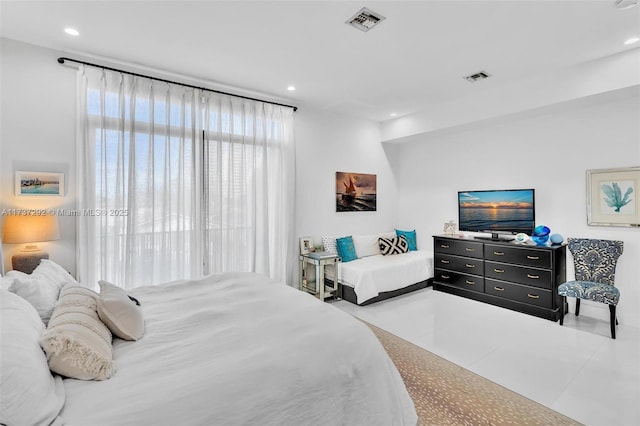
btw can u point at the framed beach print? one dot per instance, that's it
(39, 183)
(612, 197)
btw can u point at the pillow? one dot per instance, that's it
(329, 244)
(118, 312)
(9, 278)
(411, 238)
(395, 245)
(366, 245)
(42, 287)
(30, 393)
(346, 250)
(77, 343)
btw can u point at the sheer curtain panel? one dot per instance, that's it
(139, 208)
(178, 182)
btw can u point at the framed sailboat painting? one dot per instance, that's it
(355, 192)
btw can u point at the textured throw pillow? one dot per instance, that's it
(411, 238)
(395, 245)
(118, 312)
(346, 249)
(329, 244)
(31, 395)
(77, 343)
(42, 287)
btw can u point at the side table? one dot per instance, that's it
(318, 287)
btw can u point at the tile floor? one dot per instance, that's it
(577, 370)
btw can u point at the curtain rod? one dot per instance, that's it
(62, 59)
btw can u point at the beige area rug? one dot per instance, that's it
(447, 394)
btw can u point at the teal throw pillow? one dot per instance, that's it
(346, 250)
(411, 238)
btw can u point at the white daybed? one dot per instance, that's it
(374, 277)
(236, 348)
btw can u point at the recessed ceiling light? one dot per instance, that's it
(291, 88)
(393, 114)
(632, 40)
(71, 31)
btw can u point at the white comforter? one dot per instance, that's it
(372, 275)
(240, 349)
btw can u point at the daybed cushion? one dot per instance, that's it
(366, 245)
(77, 343)
(31, 395)
(346, 249)
(119, 313)
(42, 287)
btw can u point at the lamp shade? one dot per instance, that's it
(30, 229)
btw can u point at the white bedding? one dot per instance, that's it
(372, 275)
(240, 349)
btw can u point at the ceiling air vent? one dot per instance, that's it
(365, 19)
(477, 76)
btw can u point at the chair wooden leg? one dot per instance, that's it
(614, 320)
(563, 303)
(577, 306)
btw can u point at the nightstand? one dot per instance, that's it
(314, 283)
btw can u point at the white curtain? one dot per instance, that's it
(176, 183)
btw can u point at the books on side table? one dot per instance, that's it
(322, 255)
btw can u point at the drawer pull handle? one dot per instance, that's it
(469, 249)
(444, 246)
(468, 265)
(444, 277)
(498, 289)
(533, 277)
(470, 282)
(498, 253)
(498, 270)
(533, 296)
(444, 261)
(533, 257)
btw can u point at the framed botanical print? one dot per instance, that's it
(612, 197)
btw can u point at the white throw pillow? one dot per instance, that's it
(76, 342)
(119, 313)
(329, 244)
(30, 393)
(366, 245)
(42, 287)
(9, 278)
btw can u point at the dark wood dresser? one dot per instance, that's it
(521, 277)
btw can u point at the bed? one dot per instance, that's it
(234, 348)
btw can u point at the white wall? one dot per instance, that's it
(325, 144)
(38, 133)
(548, 151)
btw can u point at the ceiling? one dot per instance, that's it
(414, 58)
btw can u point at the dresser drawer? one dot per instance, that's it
(518, 274)
(465, 281)
(458, 247)
(465, 265)
(518, 255)
(520, 293)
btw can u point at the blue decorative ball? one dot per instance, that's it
(556, 239)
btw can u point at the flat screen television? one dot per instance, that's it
(507, 211)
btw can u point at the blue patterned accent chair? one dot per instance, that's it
(595, 267)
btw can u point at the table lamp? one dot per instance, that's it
(29, 229)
